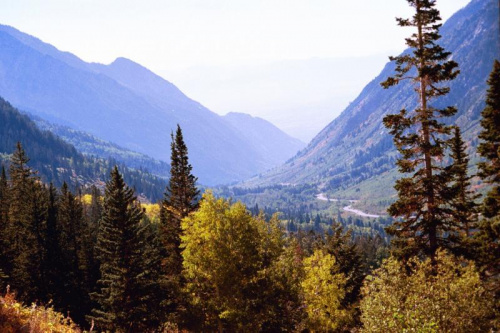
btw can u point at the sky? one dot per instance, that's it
(178, 36)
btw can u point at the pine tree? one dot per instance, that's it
(127, 274)
(53, 260)
(418, 136)
(489, 148)
(464, 208)
(93, 215)
(4, 220)
(181, 198)
(488, 237)
(339, 245)
(27, 216)
(73, 260)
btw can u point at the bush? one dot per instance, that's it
(14, 317)
(422, 298)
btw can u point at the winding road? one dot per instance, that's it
(348, 208)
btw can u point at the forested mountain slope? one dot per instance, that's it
(90, 145)
(356, 148)
(57, 161)
(127, 104)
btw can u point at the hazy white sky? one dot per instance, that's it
(175, 34)
(235, 55)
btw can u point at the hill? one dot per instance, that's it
(125, 103)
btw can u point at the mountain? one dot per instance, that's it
(91, 146)
(300, 96)
(355, 152)
(124, 103)
(57, 161)
(273, 143)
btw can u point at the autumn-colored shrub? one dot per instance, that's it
(448, 297)
(15, 317)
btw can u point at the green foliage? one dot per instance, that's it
(420, 137)
(463, 201)
(127, 275)
(422, 297)
(323, 288)
(180, 199)
(25, 228)
(489, 147)
(4, 220)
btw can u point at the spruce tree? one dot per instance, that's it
(421, 138)
(464, 208)
(4, 219)
(25, 228)
(489, 148)
(488, 237)
(93, 215)
(71, 233)
(53, 259)
(181, 198)
(127, 274)
(339, 244)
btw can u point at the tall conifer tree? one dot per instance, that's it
(53, 260)
(464, 207)
(126, 272)
(181, 198)
(25, 228)
(72, 231)
(4, 219)
(489, 148)
(488, 257)
(419, 137)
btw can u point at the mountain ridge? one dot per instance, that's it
(112, 103)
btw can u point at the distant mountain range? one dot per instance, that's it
(131, 106)
(299, 96)
(354, 154)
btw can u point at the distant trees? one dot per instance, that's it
(420, 137)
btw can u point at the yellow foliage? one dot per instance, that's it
(445, 298)
(323, 289)
(87, 199)
(152, 211)
(14, 317)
